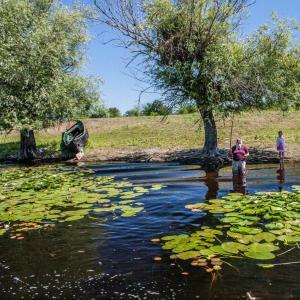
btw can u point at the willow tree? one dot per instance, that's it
(193, 50)
(41, 48)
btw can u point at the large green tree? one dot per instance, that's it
(193, 50)
(42, 45)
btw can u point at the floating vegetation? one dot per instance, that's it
(39, 197)
(257, 227)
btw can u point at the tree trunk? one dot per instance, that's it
(210, 130)
(28, 146)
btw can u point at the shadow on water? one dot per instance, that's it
(93, 259)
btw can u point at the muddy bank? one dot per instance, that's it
(182, 156)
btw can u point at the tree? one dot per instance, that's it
(192, 50)
(155, 108)
(114, 112)
(97, 110)
(187, 108)
(41, 49)
(134, 112)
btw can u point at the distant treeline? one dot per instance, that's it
(155, 108)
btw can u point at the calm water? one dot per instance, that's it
(114, 259)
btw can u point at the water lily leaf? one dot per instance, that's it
(289, 239)
(61, 194)
(249, 211)
(260, 255)
(218, 250)
(233, 247)
(275, 225)
(263, 247)
(173, 237)
(234, 235)
(196, 206)
(207, 252)
(188, 255)
(246, 230)
(266, 266)
(264, 236)
(156, 187)
(184, 247)
(74, 218)
(231, 220)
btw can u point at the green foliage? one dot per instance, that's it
(251, 226)
(41, 49)
(33, 198)
(213, 65)
(114, 112)
(156, 108)
(132, 112)
(97, 110)
(194, 51)
(187, 109)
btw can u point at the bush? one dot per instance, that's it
(132, 112)
(97, 110)
(187, 109)
(114, 112)
(156, 108)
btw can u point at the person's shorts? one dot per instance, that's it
(280, 149)
(238, 166)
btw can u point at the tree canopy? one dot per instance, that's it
(42, 45)
(155, 108)
(193, 50)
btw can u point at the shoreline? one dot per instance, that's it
(182, 156)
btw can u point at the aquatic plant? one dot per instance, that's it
(39, 197)
(249, 226)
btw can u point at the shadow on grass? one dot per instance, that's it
(9, 150)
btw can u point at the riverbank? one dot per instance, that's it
(175, 139)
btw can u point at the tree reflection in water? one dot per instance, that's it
(211, 180)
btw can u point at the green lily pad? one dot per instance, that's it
(246, 230)
(266, 266)
(260, 255)
(187, 255)
(263, 247)
(264, 236)
(233, 247)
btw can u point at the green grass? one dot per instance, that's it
(258, 129)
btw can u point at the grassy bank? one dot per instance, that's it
(258, 129)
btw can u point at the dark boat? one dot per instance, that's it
(74, 139)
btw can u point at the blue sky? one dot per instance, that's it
(109, 62)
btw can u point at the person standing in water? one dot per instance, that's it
(239, 154)
(281, 147)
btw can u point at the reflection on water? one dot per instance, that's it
(114, 259)
(239, 183)
(281, 177)
(212, 183)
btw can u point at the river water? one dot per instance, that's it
(90, 259)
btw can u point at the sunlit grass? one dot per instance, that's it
(258, 129)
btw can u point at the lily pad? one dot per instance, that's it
(260, 255)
